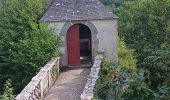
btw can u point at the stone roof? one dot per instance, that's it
(66, 10)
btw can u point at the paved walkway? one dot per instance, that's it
(69, 85)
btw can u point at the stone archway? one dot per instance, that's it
(79, 45)
(94, 40)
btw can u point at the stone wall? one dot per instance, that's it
(63, 27)
(91, 82)
(107, 38)
(104, 37)
(39, 85)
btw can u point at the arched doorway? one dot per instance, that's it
(79, 45)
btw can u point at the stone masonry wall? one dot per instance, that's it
(104, 37)
(39, 85)
(91, 82)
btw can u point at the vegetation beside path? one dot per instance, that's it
(25, 44)
(144, 26)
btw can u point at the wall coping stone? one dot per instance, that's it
(39, 84)
(91, 82)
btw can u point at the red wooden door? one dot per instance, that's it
(73, 46)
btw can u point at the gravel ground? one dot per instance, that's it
(69, 85)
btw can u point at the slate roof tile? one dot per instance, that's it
(66, 10)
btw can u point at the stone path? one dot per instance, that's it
(69, 85)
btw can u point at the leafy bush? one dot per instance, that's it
(124, 81)
(8, 91)
(126, 59)
(138, 90)
(159, 67)
(25, 44)
(117, 83)
(102, 87)
(109, 71)
(144, 26)
(163, 92)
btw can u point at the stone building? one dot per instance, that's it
(86, 27)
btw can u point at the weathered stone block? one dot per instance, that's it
(91, 82)
(37, 86)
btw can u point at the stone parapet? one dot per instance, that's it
(91, 82)
(39, 85)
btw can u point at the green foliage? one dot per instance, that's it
(8, 93)
(138, 89)
(163, 92)
(102, 87)
(144, 26)
(159, 66)
(117, 82)
(123, 70)
(25, 44)
(126, 59)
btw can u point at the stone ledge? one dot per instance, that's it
(91, 82)
(37, 87)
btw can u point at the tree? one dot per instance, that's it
(144, 25)
(25, 44)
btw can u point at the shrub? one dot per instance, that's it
(137, 89)
(158, 66)
(126, 59)
(25, 44)
(102, 87)
(121, 82)
(8, 91)
(144, 26)
(109, 71)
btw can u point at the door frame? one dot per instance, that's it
(91, 59)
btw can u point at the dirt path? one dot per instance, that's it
(69, 85)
